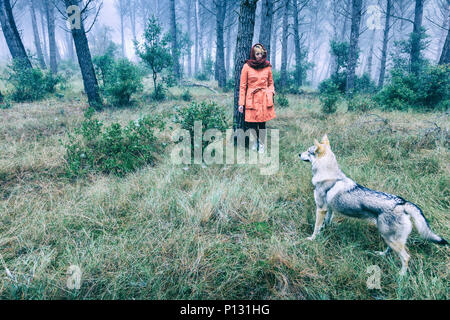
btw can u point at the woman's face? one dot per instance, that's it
(259, 54)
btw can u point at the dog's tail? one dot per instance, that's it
(422, 225)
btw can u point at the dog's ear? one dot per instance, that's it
(316, 143)
(325, 140)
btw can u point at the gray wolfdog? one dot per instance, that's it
(335, 192)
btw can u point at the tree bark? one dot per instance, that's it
(274, 46)
(51, 36)
(242, 53)
(85, 62)
(284, 47)
(11, 34)
(173, 32)
(415, 37)
(220, 50)
(188, 24)
(44, 36)
(385, 45)
(37, 40)
(445, 55)
(370, 57)
(298, 53)
(197, 30)
(265, 33)
(353, 50)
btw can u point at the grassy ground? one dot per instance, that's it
(219, 232)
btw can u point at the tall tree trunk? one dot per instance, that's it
(370, 57)
(243, 47)
(44, 35)
(188, 24)
(197, 37)
(274, 41)
(132, 8)
(415, 37)
(51, 35)
(122, 31)
(11, 34)
(220, 51)
(353, 50)
(385, 44)
(298, 53)
(85, 62)
(173, 32)
(284, 47)
(228, 46)
(445, 55)
(265, 33)
(37, 40)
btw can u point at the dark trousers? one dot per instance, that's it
(256, 126)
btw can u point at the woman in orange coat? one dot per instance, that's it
(256, 93)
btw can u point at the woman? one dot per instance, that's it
(256, 93)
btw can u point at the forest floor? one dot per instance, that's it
(217, 231)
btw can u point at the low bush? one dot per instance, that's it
(211, 115)
(430, 90)
(124, 80)
(30, 84)
(329, 96)
(113, 149)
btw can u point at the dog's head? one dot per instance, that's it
(318, 150)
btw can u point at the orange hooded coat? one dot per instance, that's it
(256, 93)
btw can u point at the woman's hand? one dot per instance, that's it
(241, 109)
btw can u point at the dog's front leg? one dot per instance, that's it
(320, 217)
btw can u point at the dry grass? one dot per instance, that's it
(221, 231)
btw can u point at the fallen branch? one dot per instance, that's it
(193, 84)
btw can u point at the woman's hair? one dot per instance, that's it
(259, 48)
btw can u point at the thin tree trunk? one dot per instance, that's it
(228, 46)
(265, 33)
(274, 46)
(44, 35)
(69, 42)
(188, 24)
(298, 53)
(37, 40)
(51, 36)
(243, 46)
(11, 34)
(173, 32)
(353, 50)
(385, 44)
(416, 35)
(370, 57)
(85, 62)
(445, 55)
(197, 28)
(284, 47)
(220, 51)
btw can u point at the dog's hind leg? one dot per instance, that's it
(400, 248)
(320, 217)
(328, 218)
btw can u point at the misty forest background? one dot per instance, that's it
(87, 117)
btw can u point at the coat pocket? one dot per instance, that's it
(249, 103)
(269, 96)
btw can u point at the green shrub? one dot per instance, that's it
(160, 93)
(329, 96)
(282, 100)
(361, 103)
(186, 96)
(210, 114)
(30, 84)
(430, 90)
(113, 149)
(124, 80)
